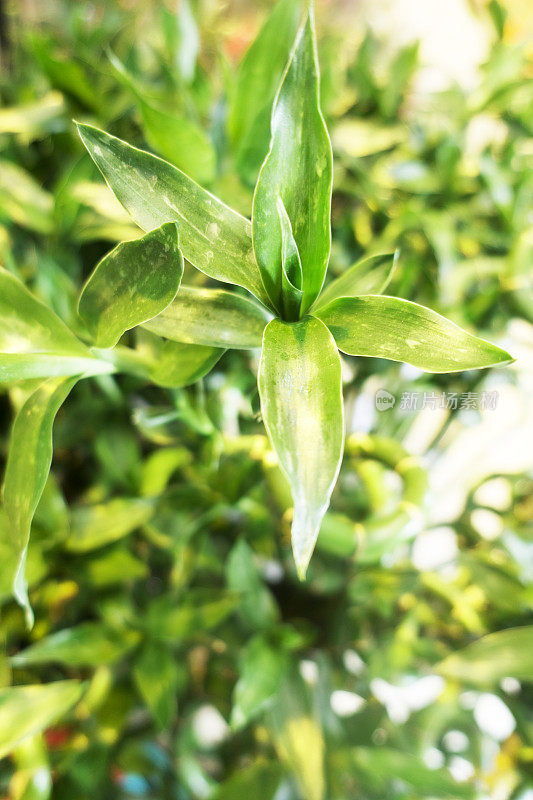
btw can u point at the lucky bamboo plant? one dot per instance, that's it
(280, 259)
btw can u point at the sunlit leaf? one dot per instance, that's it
(388, 327)
(499, 655)
(28, 464)
(257, 81)
(297, 169)
(27, 710)
(155, 674)
(23, 200)
(132, 284)
(213, 237)
(301, 400)
(370, 275)
(36, 118)
(211, 317)
(261, 669)
(383, 765)
(175, 136)
(34, 342)
(89, 644)
(98, 525)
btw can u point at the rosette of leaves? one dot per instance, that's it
(280, 260)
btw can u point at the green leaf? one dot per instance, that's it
(132, 284)
(212, 317)
(260, 781)
(99, 525)
(27, 710)
(298, 169)
(213, 237)
(256, 604)
(34, 119)
(178, 138)
(383, 765)
(301, 400)
(370, 275)
(34, 342)
(388, 327)
(175, 364)
(199, 611)
(262, 666)
(156, 676)
(28, 464)
(23, 200)
(89, 644)
(257, 81)
(505, 654)
(291, 268)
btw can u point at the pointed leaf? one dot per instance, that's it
(301, 400)
(370, 275)
(257, 81)
(261, 669)
(505, 654)
(388, 327)
(298, 168)
(213, 237)
(291, 268)
(34, 342)
(211, 317)
(132, 284)
(89, 644)
(28, 464)
(97, 525)
(175, 136)
(27, 710)
(156, 676)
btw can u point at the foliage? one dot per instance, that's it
(174, 651)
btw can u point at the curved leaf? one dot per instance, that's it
(132, 284)
(505, 654)
(370, 275)
(34, 342)
(301, 400)
(28, 464)
(213, 237)
(257, 81)
(27, 710)
(89, 644)
(211, 317)
(388, 327)
(298, 168)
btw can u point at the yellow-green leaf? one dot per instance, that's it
(28, 464)
(132, 284)
(297, 169)
(213, 237)
(211, 317)
(27, 710)
(396, 329)
(301, 400)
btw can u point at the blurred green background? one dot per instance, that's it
(174, 653)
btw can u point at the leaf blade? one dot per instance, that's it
(28, 464)
(213, 318)
(499, 655)
(131, 284)
(26, 710)
(301, 399)
(388, 327)
(369, 275)
(213, 237)
(298, 169)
